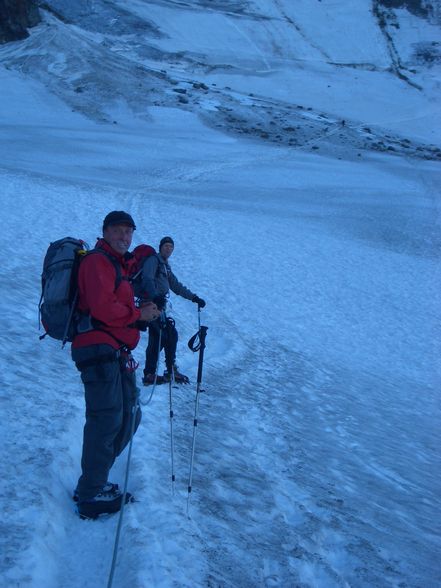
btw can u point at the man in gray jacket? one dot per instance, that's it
(157, 280)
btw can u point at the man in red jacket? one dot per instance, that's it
(108, 331)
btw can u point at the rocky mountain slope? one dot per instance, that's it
(161, 53)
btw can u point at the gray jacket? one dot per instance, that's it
(158, 278)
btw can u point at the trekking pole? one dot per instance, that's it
(171, 373)
(157, 365)
(196, 343)
(172, 445)
(69, 319)
(126, 480)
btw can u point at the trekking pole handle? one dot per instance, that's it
(202, 335)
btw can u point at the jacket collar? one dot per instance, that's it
(102, 244)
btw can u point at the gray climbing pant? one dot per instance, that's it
(110, 394)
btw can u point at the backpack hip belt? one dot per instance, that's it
(93, 361)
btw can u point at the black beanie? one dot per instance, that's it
(165, 240)
(118, 217)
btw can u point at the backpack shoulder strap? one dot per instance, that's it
(154, 256)
(115, 263)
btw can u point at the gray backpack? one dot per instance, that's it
(59, 287)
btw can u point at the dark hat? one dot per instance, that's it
(165, 240)
(118, 217)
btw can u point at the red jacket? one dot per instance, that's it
(115, 309)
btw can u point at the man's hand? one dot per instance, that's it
(160, 301)
(149, 312)
(199, 301)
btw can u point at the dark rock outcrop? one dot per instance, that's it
(422, 8)
(16, 16)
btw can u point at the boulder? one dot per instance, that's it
(16, 16)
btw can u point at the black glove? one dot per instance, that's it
(198, 301)
(160, 302)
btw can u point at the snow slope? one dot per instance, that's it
(317, 250)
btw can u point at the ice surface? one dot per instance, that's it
(317, 452)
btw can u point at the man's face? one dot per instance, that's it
(167, 250)
(119, 237)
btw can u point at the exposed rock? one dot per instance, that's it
(16, 16)
(423, 8)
